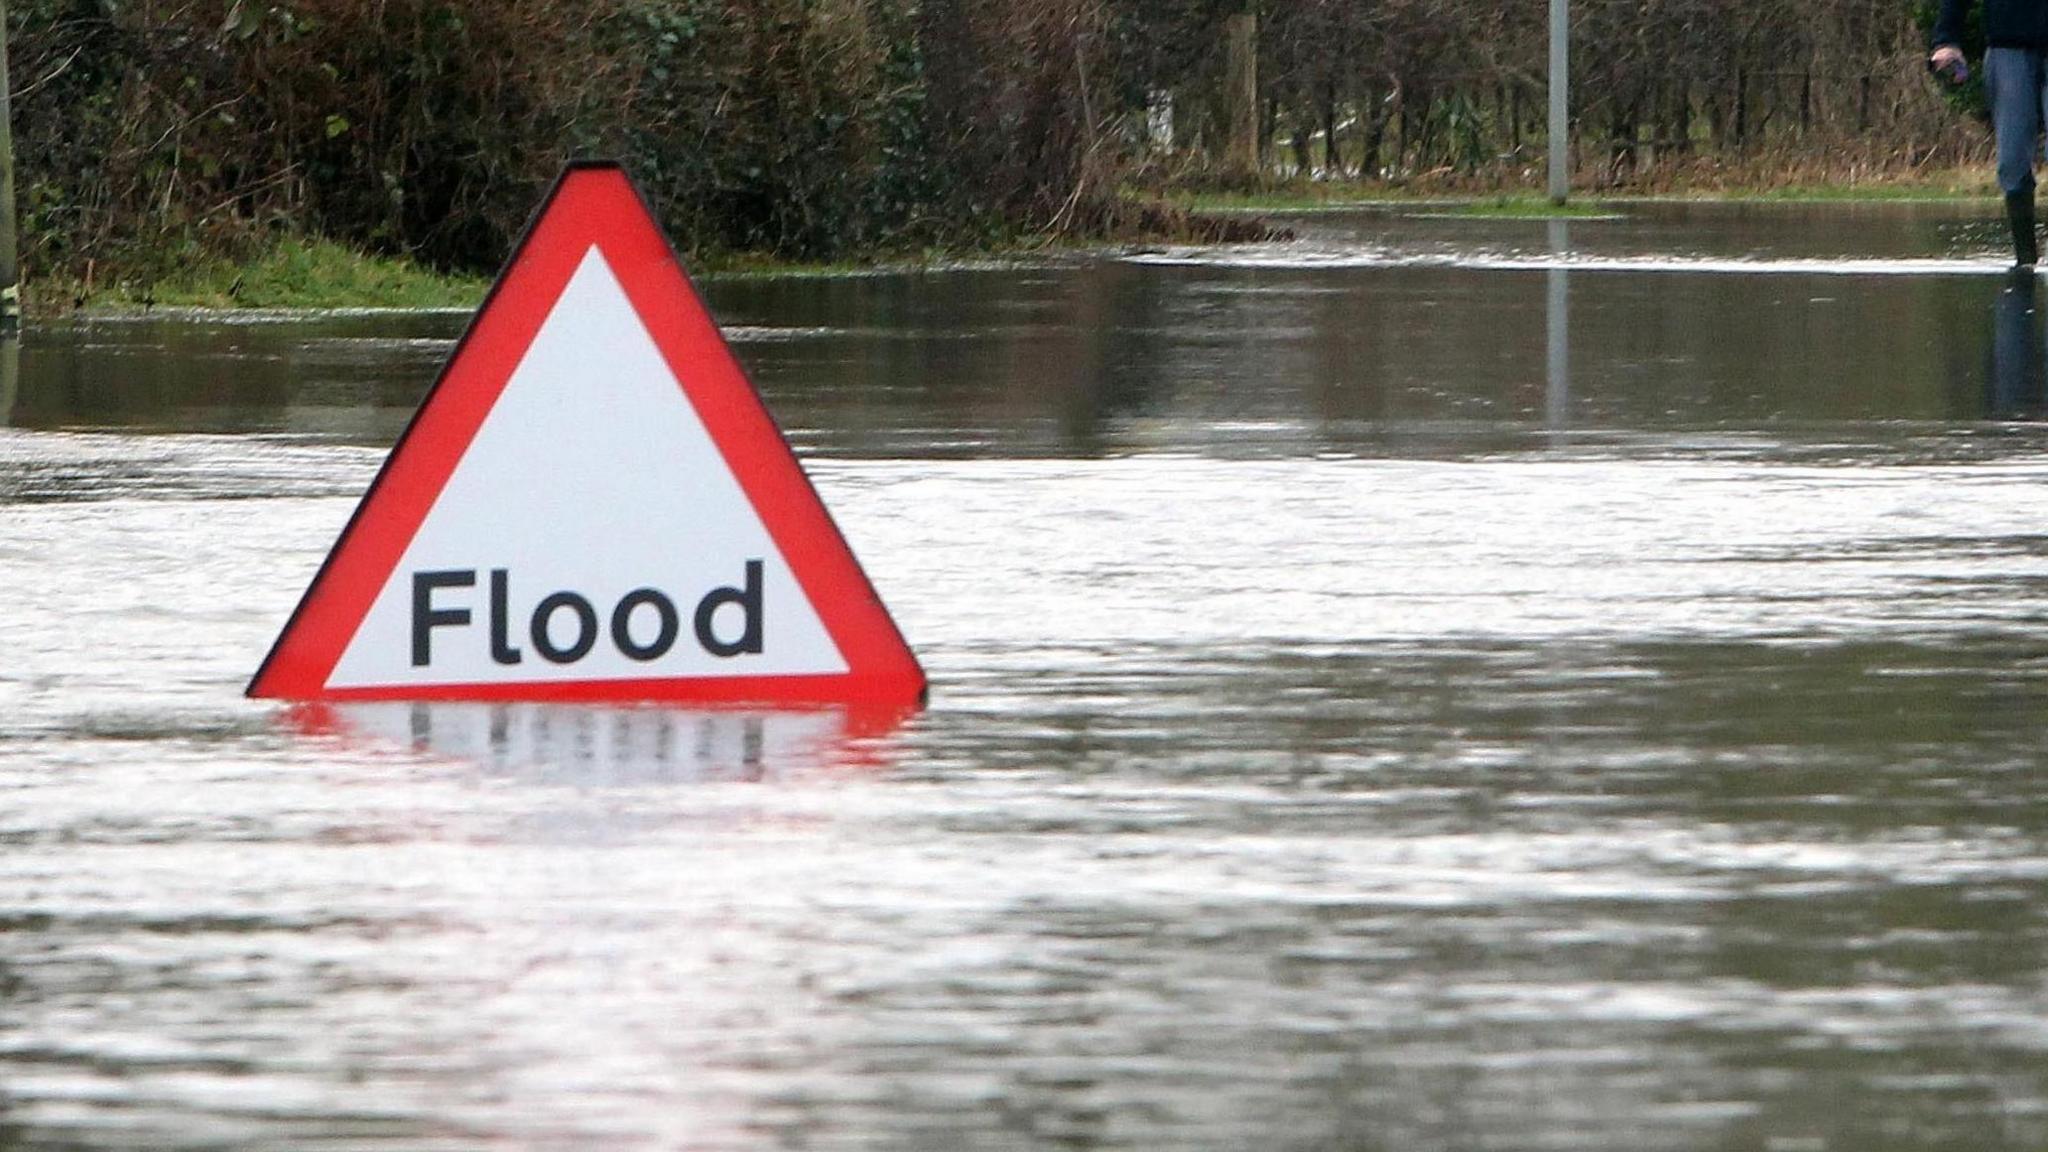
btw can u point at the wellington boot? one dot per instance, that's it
(2019, 212)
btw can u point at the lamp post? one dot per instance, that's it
(1560, 104)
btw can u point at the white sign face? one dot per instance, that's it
(592, 504)
(592, 531)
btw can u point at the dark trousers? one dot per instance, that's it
(2013, 80)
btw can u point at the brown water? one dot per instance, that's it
(1434, 685)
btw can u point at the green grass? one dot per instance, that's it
(322, 274)
(313, 275)
(291, 274)
(1963, 184)
(1527, 208)
(1520, 206)
(1292, 196)
(1959, 188)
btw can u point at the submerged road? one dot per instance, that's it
(1353, 727)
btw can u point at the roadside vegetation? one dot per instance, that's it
(250, 152)
(292, 272)
(1294, 195)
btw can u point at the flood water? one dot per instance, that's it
(1436, 684)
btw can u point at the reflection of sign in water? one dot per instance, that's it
(598, 747)
(592, 504)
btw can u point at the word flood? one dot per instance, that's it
(643, 625)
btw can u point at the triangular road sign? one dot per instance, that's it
(592, 503)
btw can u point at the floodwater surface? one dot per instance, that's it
(1435, 684)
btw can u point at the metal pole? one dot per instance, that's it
(10, 270)
(1560, 105)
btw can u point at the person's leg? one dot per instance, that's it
(2012, 80)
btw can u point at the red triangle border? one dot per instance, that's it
(596, 203)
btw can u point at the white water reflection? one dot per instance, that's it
(596, 747)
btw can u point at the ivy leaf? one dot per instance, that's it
(243, 21)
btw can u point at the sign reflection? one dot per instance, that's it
(590, 746)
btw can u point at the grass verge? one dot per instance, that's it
(307, 274)
(290, 274)
(1526, 208)
(1302, 195)
(312, 274)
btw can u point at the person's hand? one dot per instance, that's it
(1947, 60)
